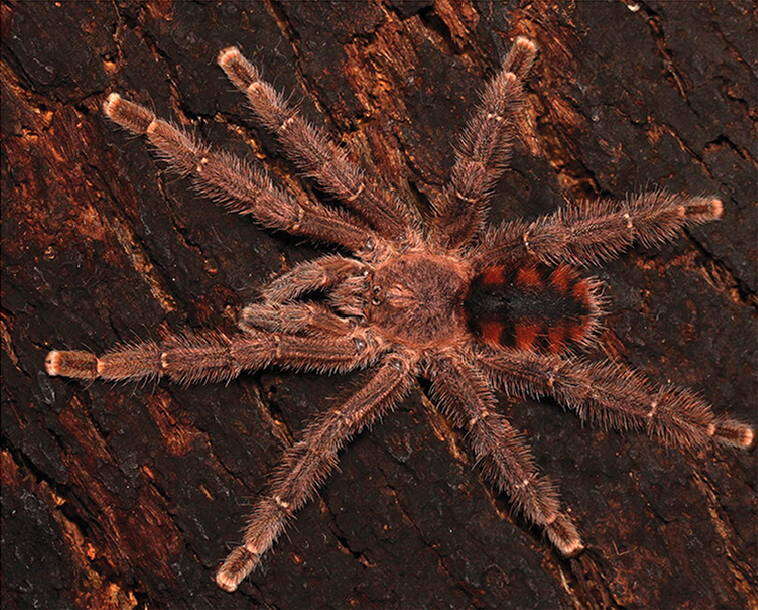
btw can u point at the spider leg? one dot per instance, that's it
(464, 393)
(214, 356)
(592, 232)
(618, 397)
(233, 182)
(306, 318)
(484, 149)
(313, 152)
(311, 276)
(306, 464)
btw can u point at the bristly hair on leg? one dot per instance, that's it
(592, 232)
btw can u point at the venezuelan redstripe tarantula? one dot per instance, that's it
(468, 307)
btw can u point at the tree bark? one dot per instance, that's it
(117, 496)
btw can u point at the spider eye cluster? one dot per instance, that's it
(376, 298)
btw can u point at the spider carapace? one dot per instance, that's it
(468, 307)
(417, 299)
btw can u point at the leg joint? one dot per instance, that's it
(482, 414)
(286, 123)
(470, 200)
(281, 505)
(358, 193)
(524, 483)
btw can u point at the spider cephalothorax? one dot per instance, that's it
(417, 299)
(469, 308)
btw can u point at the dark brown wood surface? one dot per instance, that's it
(117, 496)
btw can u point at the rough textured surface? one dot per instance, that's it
(120, 496)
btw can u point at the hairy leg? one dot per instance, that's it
(318, 274)
(296, 318)
(214, 356)
(464, 393)
(591, 232)
(484, 149)
(314, 153)
(615, 396)
(306, 464)
(242, 188)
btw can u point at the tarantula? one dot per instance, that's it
(468, 307)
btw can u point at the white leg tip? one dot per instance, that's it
(109, 106)
(52, 363)
(523, 41)
(747, 438)
(717, 208)
(572, 548)
(227, 55)
(224, 582)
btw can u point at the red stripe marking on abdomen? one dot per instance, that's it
(494, 276)
(577, 331)
(492, 331)
(526, 335)
(556, 338)
(528, 277)
(532, 307)
(581, 292)
(561, 277)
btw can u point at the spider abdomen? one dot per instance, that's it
(533, 307)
